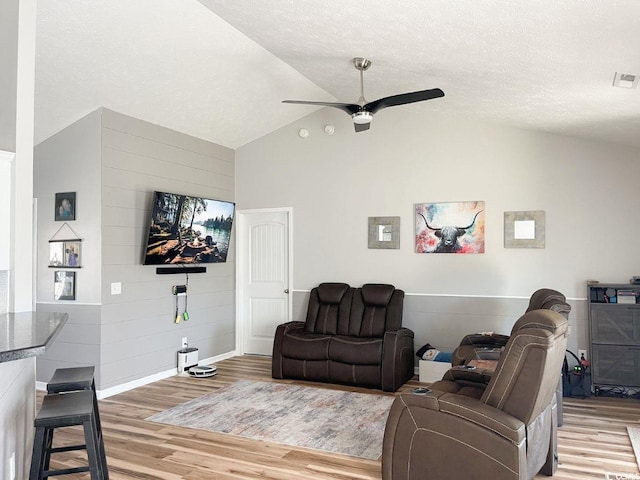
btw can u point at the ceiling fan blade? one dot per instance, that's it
(403, 99)
(350, 108)
(361, 127)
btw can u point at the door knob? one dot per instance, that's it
(286, 290)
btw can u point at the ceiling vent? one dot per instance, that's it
(625, 80)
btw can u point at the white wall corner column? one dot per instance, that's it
(21, 261)
(6, 163)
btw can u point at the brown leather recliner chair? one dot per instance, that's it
(473, 382)
(508, 433)
(351, 336)
(470, 345)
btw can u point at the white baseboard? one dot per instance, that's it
(139, 382)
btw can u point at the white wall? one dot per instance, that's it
(17, 412)
(17, 379)
(588, 191)
(21, 294)
(5, 209)
(334, 183)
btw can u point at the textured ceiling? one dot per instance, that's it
(217, 69)
(170, 62)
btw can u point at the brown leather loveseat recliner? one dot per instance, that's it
(351, 336)
(506, 434)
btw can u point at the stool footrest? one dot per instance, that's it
(66, 471)
(70, 448)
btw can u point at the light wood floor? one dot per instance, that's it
(592, 442)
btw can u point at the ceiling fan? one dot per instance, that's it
(362, 112)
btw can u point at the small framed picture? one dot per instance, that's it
(64, 286)
(65, 206)
(65, 254)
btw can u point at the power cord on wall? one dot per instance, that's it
(181, 291)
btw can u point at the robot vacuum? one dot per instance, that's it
(202, 371)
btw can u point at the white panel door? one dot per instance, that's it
(264, 275)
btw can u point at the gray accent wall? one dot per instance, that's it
(115, 163)
(442, 321)
(413, 154)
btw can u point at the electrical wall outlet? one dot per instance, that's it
(116, 288)
(582, 354)
(185, 343)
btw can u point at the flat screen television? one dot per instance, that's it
(188, 230)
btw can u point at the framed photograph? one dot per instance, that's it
(384, 232)
(64, 254)
(451, 227)
(65, 206)
(524, 229)
(64, 285)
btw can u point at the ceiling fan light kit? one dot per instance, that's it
(362, 117)
(362, 112)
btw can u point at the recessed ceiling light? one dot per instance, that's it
(625, 80)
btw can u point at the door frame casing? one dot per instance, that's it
(241, 216)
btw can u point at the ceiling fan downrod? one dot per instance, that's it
(361, 64)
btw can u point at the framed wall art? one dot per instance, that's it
(384, 232)
(449, 227)
(65, 206)
(64, 254)
(64, 285)
(524, 229)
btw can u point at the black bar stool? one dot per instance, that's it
(65, 410)
(80, 378)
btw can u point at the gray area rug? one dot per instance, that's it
(347, 423)
(634, 436)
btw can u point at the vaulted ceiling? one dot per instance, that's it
(218, 69)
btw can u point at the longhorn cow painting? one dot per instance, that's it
(451, 227)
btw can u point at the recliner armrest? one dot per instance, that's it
(397, 358)
(472, 410)
(294, 325)
(475, 375)
(486, 340)
(403, 331)
(276, 359)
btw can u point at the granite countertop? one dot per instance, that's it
(27, 334)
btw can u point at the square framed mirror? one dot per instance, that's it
(524, 229)
(384, 232)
